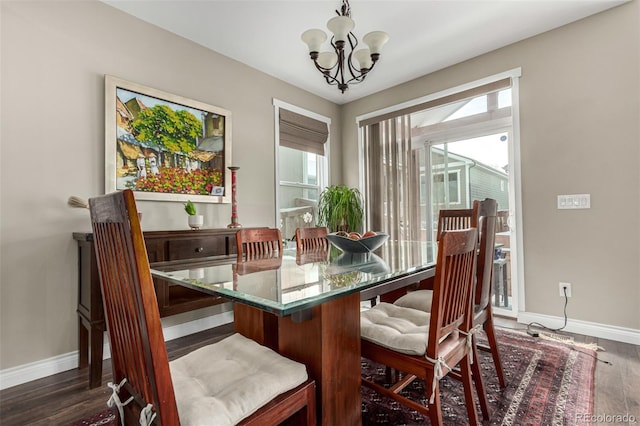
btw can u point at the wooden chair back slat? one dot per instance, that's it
(308, 239)
(453, 284)
(258, 243)
(486, 216)
(450, 219)
(131, 310)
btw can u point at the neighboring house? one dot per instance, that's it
(468, 180)
(128, 147)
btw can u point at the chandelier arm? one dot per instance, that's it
(355, 74)
(345, 10)
(353, 42)
(326, 72)
(360, 78)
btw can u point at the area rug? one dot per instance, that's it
(548, 383)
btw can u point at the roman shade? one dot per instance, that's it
(303, 133)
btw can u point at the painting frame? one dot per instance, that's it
(165, 147)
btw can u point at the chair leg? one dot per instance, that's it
(465, 371)
(435, 409)
(311, 411)
(493, 345)
(479, 382)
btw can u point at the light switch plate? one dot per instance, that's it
(574, 201)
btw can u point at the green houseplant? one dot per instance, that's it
(195, 220)
(340, 208)
(190, 208)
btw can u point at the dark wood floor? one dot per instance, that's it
(64, 398)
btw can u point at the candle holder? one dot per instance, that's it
(234, 205)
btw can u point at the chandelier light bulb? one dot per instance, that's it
(340, 26)
(363, 56)
(327, 60)
(375, 40)
(314, 39)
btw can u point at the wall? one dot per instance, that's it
(54, 58)
(579, 133)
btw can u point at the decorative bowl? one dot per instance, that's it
(363, 245)
(369, 263)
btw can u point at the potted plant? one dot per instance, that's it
(195, 220)
(340, 209)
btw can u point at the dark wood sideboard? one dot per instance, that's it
(172, 299)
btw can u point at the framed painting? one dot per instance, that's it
(165, 147)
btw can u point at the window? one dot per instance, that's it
(449, 189)
(302, 164)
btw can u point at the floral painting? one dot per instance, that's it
(165, 147)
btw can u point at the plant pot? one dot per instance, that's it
(196, 221)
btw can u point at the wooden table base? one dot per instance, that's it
(328, 344)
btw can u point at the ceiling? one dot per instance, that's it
(425, 36)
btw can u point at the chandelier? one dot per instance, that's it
(338, 67)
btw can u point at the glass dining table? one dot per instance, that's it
(307, 307)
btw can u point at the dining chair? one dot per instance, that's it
(312, 238)
(483, 217)
(233, 381)
(450, 219)
(428, 346)
(258, 243)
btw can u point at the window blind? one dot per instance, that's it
(302, 133)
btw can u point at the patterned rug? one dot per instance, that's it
(548, 383)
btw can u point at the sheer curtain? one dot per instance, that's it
(391, 179)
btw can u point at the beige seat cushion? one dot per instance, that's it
(404, 330)
(225, 382)
(419, 299)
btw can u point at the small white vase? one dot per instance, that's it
(196, 221)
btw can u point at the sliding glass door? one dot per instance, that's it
(475, 169)
(466, 157)
(444, 153)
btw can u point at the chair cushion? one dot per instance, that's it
(419, 299)
(404, 330)
(222, 383)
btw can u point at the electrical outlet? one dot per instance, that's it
(562, 286)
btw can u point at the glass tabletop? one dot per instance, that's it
(299, 281)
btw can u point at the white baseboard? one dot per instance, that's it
(36, 370)
(604, 331)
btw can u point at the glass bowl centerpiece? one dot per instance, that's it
(355, 243)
